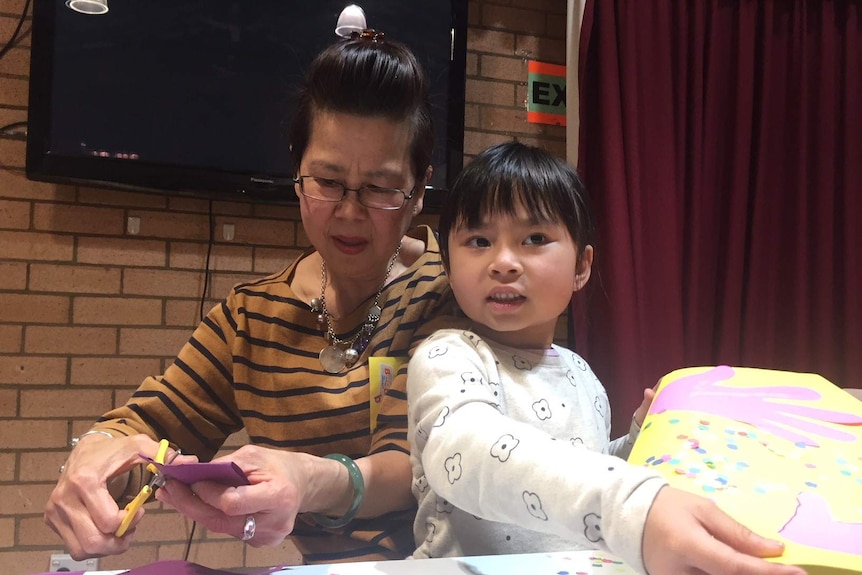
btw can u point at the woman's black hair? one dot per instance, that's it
(509, 175)
(372, 77)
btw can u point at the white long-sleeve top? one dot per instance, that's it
(511, 453)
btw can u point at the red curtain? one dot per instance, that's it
(722, 145)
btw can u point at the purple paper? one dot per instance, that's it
(224, 472)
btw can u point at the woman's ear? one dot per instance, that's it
(419, 194)
(585, 267)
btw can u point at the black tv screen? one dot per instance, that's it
(195, 97)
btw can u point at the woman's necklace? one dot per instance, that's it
(342, 353)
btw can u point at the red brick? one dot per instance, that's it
(276, 211)
(138, 555)
(152, 342)
(74, 278)
(488, 92)
(78, 219)
(24, 498)
(35, 246)
(71, 340)
(14, 214)
(556, 27)
(7, 466)
(34, 308)
(186, 313)
(556, 147)
(222, 257)
(13, 275)
(272, 260)
(162, 526)
(173, 225)
(284, 554)
(188, 204)
(27, 370)
(8, 24)
(7, 532)
(510, 121)
(475, 142)
(12, 152)
(492, 41)
(16, 62)
(65, 402)
(239, 208)
(471, 67)
(555, 8)
(513, 19)
(34, 434)
(504, 68)
(26, 562)
(10, 338)
(222, 283)
(224, 554)
(34, 531)
(41, 466)
(8, 402)
(542, 49)
(124, 251)
(259, 231)
(166, 283)
(116, 311)
(15, 93)
(108, 197)
(16, 185)
(114, 371)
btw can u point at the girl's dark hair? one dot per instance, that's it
(509, 175)
(367, 76)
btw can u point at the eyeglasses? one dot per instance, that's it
(327, 190)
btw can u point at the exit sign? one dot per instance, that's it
(546, 93)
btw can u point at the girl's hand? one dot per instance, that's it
(688, 534)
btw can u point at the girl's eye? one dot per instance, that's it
(535, 239)
(478, 242)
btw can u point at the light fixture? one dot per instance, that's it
(351, 19)
(88, 6)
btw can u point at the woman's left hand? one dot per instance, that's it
(279, 484)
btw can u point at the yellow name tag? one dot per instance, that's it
(381, 374)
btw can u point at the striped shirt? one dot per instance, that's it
(253, 362)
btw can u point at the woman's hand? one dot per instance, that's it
(81, 510)
(280, 488)
(685, 533)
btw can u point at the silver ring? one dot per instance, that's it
(248, 528)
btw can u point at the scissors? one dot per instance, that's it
(157, 481)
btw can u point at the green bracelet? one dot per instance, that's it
(358, 494)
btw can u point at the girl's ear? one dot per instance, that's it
(585, 266)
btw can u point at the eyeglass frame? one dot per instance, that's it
(344, 189)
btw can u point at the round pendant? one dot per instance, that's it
(350, 357)
(332, 359)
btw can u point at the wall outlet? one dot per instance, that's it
(64, 562)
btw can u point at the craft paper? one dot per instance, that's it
(224, 472)
(779, 451)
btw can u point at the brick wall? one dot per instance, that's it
(87, 310)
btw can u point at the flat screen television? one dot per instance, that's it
(195, 97)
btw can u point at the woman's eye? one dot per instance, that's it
(327, 183)
(535, 239)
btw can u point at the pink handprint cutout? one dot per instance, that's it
(812, 524)
(766, 407)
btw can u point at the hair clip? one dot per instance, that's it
(368, 34)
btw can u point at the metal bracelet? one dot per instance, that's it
(75, 440)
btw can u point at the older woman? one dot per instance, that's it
(286, 357)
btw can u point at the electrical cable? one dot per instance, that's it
(14, 38)
(207, 264)
(189, 542)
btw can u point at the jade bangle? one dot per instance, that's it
(358, 494)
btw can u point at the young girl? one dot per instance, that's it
(509, 433)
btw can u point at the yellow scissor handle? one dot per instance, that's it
(146, 490)
(160, 456)
(132, 509)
